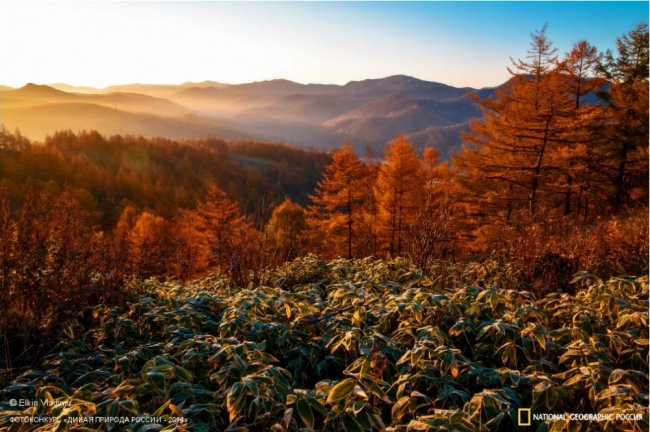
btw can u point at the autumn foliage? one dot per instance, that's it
(552, 179)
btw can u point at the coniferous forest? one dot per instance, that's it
(235, 284)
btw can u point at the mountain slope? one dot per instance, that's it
(368, 113)
(33, 94)
(394, 114)
(406, 86)
(38, 121)
(162, 90)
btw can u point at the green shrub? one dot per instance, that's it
(350, 345)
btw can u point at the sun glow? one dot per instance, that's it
(463, 44)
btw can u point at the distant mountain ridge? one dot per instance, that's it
(368, 113)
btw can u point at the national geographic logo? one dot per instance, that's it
(523, 417)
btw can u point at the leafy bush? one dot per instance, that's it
(350, 345)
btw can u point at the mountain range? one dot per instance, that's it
(368, 113)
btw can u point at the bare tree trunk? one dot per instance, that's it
(567, 195)
(399, 220)
(538, 167)
(349, 229)
(393, 221)
(620, 178)
(509, 207)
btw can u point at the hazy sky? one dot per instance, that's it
(463, 44)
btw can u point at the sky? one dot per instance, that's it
(457, 43)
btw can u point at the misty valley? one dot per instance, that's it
(389, 254)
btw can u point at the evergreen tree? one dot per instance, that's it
(399, 192)
(336, 212)
(576, 154)
(227, 231)
(288, 229)
(625, 151)
(190, 245)
(507, 164)
(148, 242)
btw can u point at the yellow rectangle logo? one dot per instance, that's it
(523, 417)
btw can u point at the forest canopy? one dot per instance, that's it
(552, 180)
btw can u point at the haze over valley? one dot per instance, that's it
(367, 113)
(324, 216)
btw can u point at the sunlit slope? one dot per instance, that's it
(38, 110)
(40, 120)
(368, 113)
(33, 94)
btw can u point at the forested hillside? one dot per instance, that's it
(157, 174)
(243, 285)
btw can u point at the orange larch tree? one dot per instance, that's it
(230, 236)
(399, 191)
(433, 232)
(575, 153)
(506, 163)
(288, 229)
(148, 245)
(369, 236)
(191, 246)
(337, 203)
(624, 152)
